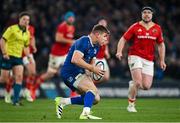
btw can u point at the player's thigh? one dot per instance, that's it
(31, 68)
(147, 74)
(86, 84)
(146, 81)
(55, 62)
(135, 65)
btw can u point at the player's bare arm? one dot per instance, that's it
(120, 47)
(33, 44)
(161, 51)
(60, 38)
(3, 49)
(77, 59)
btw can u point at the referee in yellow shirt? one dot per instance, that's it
(14, 40)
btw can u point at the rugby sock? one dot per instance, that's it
(132, 92)
(89, 99)
(131, 101)
(9, 85)
(73, 94)
(29, 81)
(17, 89)
(39, 80)
(79, 100)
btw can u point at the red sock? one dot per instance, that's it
(73, 94)
(9, 85)
(29, 82)
(39, 80)
(131, 100)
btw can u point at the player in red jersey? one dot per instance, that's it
(103, 53)
(64, 39)
(145, 35)
(30, 66)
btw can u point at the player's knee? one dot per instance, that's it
(146, 87)
(50, 74)
(18, 78)
(95, 93)
(32, 73)
(138, 85)
(97, 99)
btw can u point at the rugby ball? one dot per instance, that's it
(97, 77)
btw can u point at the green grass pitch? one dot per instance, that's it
(111, 110)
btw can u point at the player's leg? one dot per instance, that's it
(18, 76)
(147, 74)
(30, 78)
(6, 66)
(5, 78)
(89, 95)
(53, 66)
(135, 65)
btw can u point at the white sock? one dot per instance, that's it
(66, 101)
(86, 110)
(131, 83)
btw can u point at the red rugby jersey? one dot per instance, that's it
(143, 40)
(101, 52)
(32, 32)
(58, 48)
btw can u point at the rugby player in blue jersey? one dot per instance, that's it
(80, 58)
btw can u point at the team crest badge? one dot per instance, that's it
(154, 30)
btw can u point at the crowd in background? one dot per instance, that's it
(46, 14)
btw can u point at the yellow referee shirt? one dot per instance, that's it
(16, 40)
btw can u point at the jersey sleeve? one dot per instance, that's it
(160, 37)
(81, 46)
(61, 28)
(32, 31)
(7, 33)
(129, 33)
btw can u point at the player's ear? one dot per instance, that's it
(96, 34)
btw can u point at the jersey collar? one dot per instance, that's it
(22, 28)
(91, 41)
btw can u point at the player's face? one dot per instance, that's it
(103, 38)
(147, 16)
(24, 20)
(71, 20)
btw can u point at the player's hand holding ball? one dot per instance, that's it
(98, 71)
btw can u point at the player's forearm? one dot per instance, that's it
(26, 51)
(64, 40)
(121, 44)
(81, 63)
(3, 44)
(32, 42)
(161, 51)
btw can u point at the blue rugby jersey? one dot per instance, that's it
(85, 46)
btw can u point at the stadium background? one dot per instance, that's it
(46, 14)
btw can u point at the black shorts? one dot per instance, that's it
(8, 64)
